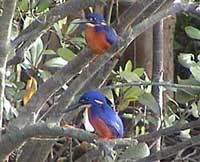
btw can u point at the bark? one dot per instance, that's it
(5, 31)
(157, 76)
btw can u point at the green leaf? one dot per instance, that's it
(169, 120)
(10, 92)
(192, 32)
(130, 76)
(195, 111)
(28, 20)
(186, 59)
(20, 85)
(72, 26)
(183, 97)
(36, 52)
(139, 71)
(190, 81)
(135, 152)
(42, 5)
(133, 93)
(66, 53)
(122, 105)
(23, 5)
(79, 41)
(195, 70)
(128, 66)
(44, 74)
(148, 100)
(49, 52)
(18, 96)
(185, 134)
(56, 62)
(58, 30)
(12, 77)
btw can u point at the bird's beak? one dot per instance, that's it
(76, 106)
(82, 21)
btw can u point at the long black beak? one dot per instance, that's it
(73, 107)
(82, 21)
(76, 106)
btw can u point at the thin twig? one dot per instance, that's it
(163, 84)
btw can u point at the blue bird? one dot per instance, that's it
(103, 118)
(99, 36)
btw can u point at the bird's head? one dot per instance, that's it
(90, 98)
(92, 19)
(95, 18)
(93, 98)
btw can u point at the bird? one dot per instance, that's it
(99, 36)
(105, 121)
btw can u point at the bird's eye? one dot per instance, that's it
(82, 101)
(98, 101)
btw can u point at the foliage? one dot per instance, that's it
(62, 42)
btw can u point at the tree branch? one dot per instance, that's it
(5, 30)
(14, 139)
(163, 84)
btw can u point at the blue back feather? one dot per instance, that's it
(110, 33)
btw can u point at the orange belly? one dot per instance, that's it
(100, 127)
(96, 41)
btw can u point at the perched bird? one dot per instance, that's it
(106, 122)
(99, 36)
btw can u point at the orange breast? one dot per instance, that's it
(96, 41)
(100, 127)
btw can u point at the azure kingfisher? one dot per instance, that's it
(105, 121)
(99, 36)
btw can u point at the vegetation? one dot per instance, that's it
(45, 66)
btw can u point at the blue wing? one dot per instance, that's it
(110, 103)
(113, 121)
(111, 35)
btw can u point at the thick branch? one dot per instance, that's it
(12, 140)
